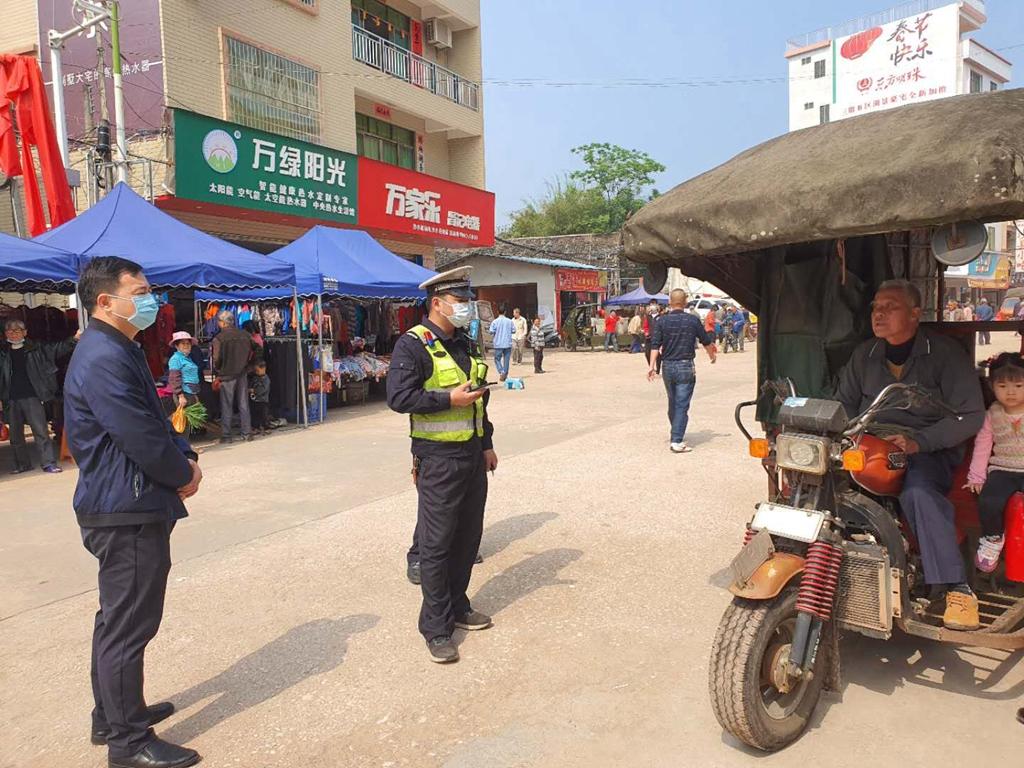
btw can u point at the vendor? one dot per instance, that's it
(28, 380)
(182, 370)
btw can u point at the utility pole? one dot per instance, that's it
(115, 55)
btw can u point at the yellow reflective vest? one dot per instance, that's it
(456, 425)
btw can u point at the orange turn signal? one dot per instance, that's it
(759, 448)
(854, 460)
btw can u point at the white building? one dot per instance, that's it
(917, 51)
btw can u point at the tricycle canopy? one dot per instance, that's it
(915, 167)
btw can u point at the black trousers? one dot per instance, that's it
(30, 411)
(449, 523)
(999, 487)
(538, 360)
(260, 415)
(134, 562)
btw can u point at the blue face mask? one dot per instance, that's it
(146, 309)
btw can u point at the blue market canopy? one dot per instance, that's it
(341, 262)
(637, 297)
(173, 254)
(30, 266)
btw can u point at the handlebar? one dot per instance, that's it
(739, 420)
(914, 395)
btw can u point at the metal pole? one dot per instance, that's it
(300, 404)
(115, 54)
(60, 122)
(320, 350)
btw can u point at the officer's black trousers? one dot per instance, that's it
(450, 519)
(134, 562)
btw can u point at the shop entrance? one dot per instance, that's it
(522, 295)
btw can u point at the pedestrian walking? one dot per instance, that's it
(28, 380)
(438, 378)
(233, 350)
(519, 332)
(675, 341)
(635, 331)
(984, 314)
(720, 313)
(649, 317)
(134, 476)
(501, 330)
(611, 337)
(537, 343)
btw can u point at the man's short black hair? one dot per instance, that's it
(103, 275)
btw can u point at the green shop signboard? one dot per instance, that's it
(229, 164)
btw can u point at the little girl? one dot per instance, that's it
(999, 454)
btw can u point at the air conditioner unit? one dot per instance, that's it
(438, 33)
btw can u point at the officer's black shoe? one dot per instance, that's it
(157, 714)
(412, 572)
(473, 620)
(443, 650)
(157, 754)
(479, 558)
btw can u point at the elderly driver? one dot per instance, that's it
(902, 351)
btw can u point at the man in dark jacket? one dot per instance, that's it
(28, 380)
(134, 474)
(933, 441)
(232, 351)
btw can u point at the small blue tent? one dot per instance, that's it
(636, 297)
(30, 266)
(173, 254)
(341, 262)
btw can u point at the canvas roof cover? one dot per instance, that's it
(30, 266)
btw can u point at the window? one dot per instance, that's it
(805, 61)
(991, 244)
(388, 143)
(808, 105)
(993, 86)
(975, 82)
(376, 17)
(823, 111)
(819, 68)
(271, 93)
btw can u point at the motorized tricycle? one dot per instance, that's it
(826, 553)
(802, 230)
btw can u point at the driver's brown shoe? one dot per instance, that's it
(961, 611)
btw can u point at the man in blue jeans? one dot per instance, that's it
(502, 329)
(675, 344)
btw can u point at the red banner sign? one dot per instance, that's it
(582, 280)
(383, 111)
(402, 202)
(416, 31)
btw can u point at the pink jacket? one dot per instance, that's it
(982, 453)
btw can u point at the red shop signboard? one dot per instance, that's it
(398, 202)
(581, 280)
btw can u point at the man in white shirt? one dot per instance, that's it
(518, 336)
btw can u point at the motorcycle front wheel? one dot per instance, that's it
(751, 695)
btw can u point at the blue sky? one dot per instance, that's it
(531, 128)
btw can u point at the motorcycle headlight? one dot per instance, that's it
(802, 453)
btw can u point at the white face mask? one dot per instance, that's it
(17, 344)
(462, 313)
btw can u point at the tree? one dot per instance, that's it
(566, 209)
(620, 175)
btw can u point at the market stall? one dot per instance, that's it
(354, 298)
(636, 298)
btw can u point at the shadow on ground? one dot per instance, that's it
(501, 534)
(300, 653)
(523, 578)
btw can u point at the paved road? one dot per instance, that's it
(289, 637)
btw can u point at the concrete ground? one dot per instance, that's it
(289, 637)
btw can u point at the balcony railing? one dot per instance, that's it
(394, 60)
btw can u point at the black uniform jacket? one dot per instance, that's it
(411, 366)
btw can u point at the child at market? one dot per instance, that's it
(182, 372)
(997, 467)
(259, 392)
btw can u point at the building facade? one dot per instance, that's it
(256, 119)
(913, 52)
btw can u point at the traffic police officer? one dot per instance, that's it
(434, 377)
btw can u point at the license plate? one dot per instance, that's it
(788, 522)
(749, 559)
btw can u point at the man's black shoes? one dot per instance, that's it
(157, 714)
(157, 754)
(443, 650)
(412, 572)
(473, 621)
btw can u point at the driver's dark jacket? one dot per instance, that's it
(937, 364)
